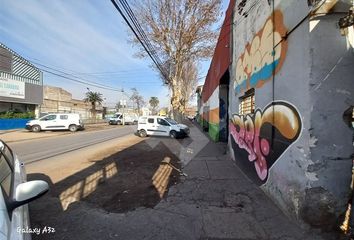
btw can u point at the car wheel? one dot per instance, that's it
(142, 133)
(73, 128)
(36, 128)
(173, 134)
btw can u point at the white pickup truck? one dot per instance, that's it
(129, 118)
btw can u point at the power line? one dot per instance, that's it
(60, 74)
(151, 48)
(79, 81)
(140, 29)
(69, 74)
(140, 35)
(93, 73)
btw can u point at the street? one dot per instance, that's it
(40, 149)
(107, 190)
(242, 118)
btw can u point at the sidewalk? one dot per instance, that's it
(215, 201)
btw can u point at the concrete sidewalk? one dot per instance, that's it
(215, 201)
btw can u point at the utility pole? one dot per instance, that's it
(123, 103)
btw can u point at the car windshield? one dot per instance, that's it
(171, 121)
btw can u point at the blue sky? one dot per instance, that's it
(87, 38)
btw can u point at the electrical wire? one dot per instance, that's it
(60, 74)
(136, 23)
(141, 37)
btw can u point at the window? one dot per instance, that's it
(142, 120)
(49, 117)
(162, 122)
(63, 117)
(247, 103)
(150, 120)
(171, 121)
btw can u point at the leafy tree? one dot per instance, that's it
(180, 31)
(154, 102)
(93, 98)
(137, 99)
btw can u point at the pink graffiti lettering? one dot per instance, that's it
(279, 121)
(247, 137)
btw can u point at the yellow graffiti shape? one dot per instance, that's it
(241, 76)
(284, 119)
(255, 56)
(263, 56)
(269, 40)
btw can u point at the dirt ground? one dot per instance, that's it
(118, 179)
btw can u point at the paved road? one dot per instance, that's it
(39, 149)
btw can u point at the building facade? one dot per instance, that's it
(21, 83)
(289, 83)
(58, 100)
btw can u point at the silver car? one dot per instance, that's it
(14, 195)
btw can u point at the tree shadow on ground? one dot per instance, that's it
(118, 183)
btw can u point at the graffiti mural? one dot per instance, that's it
(263, 56)
(259, 139)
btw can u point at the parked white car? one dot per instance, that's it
(161, 126)
(56, 121)
(129, 118)
(15, 194)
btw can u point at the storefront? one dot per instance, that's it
(21, 86)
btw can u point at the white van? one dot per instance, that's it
(56, 121)
(129, 118)
(161, 126)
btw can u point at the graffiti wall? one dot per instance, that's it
(260, 59)
(259, 139)
(293, 144)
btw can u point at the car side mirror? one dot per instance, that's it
(27, 192)
(2, 145)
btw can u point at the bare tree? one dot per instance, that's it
(137, 99)
(189, 81)
(180, 32)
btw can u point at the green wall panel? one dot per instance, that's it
(214, 131)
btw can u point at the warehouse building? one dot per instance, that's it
(58, 100)
(21, 83)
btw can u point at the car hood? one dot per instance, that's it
(182, 126)
(32, 121)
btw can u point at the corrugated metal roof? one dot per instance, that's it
(20, 66)
(222, 55)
